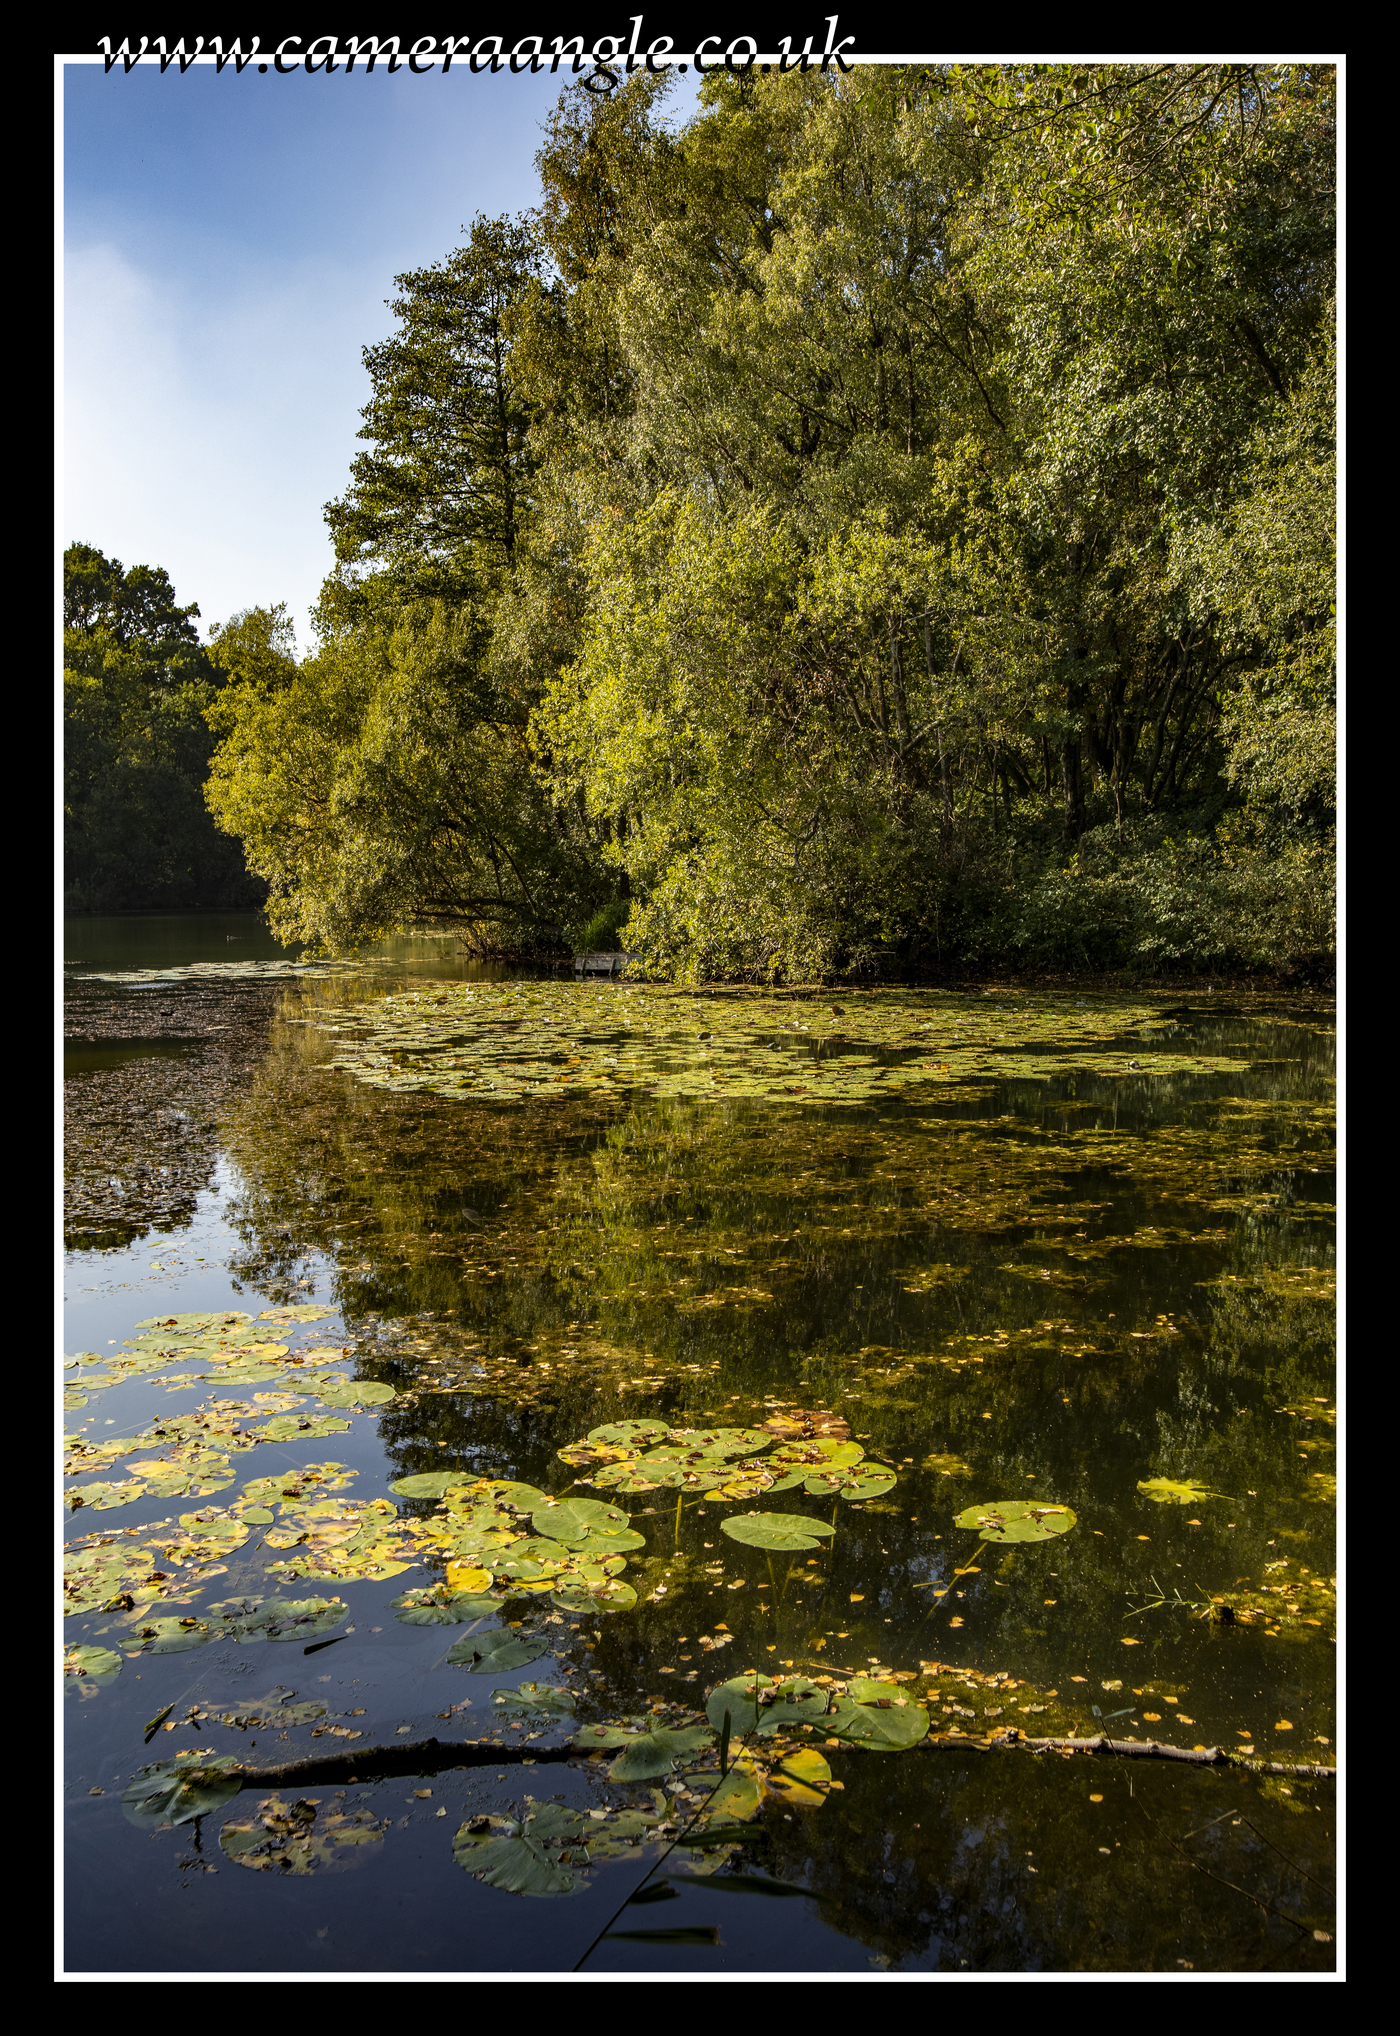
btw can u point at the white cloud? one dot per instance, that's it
(205, 437)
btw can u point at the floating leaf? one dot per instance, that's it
(630, 1435)
(101, 1664)
(300, 1428)
(720, 1441)
(428, 1484)
(877, 1716)
(1016, 1520)
(737, 1799)
(547, 1700)
(439, 1607)
(355, 1393)
(1167, 1492)
(247, 1619)
(168, 1636)
(860, 1481)
(177, 1791)
(646, 1755)
(493, 1652)
(787, 1531)
(824, 1452)
(300, 1838)
(607, 1596)
(536, 1856)
(800, 1779)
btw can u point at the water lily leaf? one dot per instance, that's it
(646, 1755)
(825, 1452)
(537, 1856)
(438, 1607)
(98, 1664)
(103, 1498)
(177, 1791)
(299, 1427)
(1167, 1492)
(776, 1530)
(860, 1481)
(428, 1484)
(801, 1779)
(301, 1837)
(246, 1619)
(720, 1441)
(795, 1422)
(547, 1700)
(792, 1701)
(577, 1521)
(168, 1636)
(737, 1800)
(1016, 1520)
(490, 1653)
(355, 1393)
(626, 1477)
(877, 1716)
(607, 1596)
(630, 1435)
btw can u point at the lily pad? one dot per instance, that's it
(97, 1664)
(246, 1619)
(737, 1800)
(1167, 1492)
(301, 1837)
(537, 1855)
(800, 1779)
(646, 1755)
(578, 1521)
(630, 1435)
(168, 1636)
(784, 1531)
(607, 1596)
(1016, 1520)
(439, 1607)
(428, 1484)
(493, 1652)
(300, 1428)
(355, 1393)
(546, 1700)
(720, 1441)
(742, 1696)
(177, 1791)
(821, 1451)
(877, 1716)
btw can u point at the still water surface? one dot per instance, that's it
(1053, 1289)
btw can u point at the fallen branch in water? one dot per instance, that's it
(1143, 1749)
(432, 1756)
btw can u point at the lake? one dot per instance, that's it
(957, 1283)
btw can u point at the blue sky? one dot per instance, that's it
(229, 243)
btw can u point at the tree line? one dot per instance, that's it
(888, 518)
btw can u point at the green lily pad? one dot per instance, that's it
(546, 1700)
(629, 1434)
(786, 1531)
(720, 1442)
(428, 1484)
(301, 1837)
(822, 1452)
(491, 1653)
(103, 1498)
(645, 1755)
(539, 1855)
(247, 1619)
(1167, 1492)
(177, 1791)
(93, 1664)
(737, 1800)
(860, 1481)
(438, 1606)
(1016, 1520)
(299, 1428)
(877, 1716)
(742, 1696)
(607, 1596)
(355, 1393)
(586, 1520)
(168, 1636)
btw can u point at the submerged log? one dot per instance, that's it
(433, 1756)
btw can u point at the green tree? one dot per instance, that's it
(136, 684)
